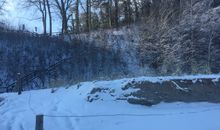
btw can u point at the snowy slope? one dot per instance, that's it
(18, 112)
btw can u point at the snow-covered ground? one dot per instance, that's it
(68, 109)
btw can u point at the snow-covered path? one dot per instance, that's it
(18, 112)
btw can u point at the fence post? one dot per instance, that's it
(39, 122)
(18, 83)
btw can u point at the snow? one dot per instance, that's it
(180, 88)
(18, 112)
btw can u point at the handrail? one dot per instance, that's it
(33, 75)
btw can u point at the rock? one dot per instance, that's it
(95, 94)
(78, 85)
(204, 90)
(139, 102)
(89, 99)
(215, 3)
(1, 99)
(95, 90)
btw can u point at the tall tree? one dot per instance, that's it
(129, 4)
(109, 8)
(136, 10)
(64, 7)
(44, 13)
(50, 16)
(116, 14)
(127, 11)
(88, 15)
(77, 15)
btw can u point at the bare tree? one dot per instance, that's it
(2, 3)
(64, 7)
(41, 6)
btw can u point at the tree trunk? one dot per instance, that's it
(64, 18)
(50, 17)
(77, 16)
(65, 26)
(44, 25)
(136, 10)
(109, 13)
(126, 11)
(45, 16)
(88, 15)
(116, 14)
(42, 7)
(129, 11)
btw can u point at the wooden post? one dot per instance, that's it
(39, 122)
(18, 83)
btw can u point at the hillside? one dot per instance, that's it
(110, 65)
(176, 37)
(26, 53)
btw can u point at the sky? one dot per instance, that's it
(15, 14)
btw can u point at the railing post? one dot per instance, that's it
(39, 122)
(18, 83)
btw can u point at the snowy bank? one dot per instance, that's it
(70, 108)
